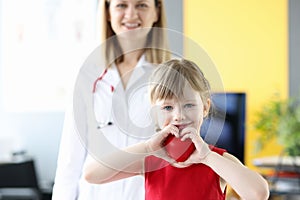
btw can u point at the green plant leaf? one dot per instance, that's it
(279, 119)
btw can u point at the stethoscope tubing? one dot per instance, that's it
(100, 78)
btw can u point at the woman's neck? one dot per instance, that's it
(132, 58)
(129, 62)
(132, 46)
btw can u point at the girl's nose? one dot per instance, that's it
(178, 115)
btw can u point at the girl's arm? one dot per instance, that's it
(247, 183)
(129, 161)
(117, 165)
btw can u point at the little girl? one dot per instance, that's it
(180, 95)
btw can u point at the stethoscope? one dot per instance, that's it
(100, 78)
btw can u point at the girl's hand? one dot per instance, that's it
(155, 144)
(202, 148)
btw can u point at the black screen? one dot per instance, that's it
(225, 126)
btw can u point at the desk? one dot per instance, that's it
(283, 196)
(284, 182)
(46, 191)
(18, 181)
(19, 194)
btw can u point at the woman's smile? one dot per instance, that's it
(131, 26)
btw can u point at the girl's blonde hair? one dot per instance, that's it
(170, 79)
(156, 49)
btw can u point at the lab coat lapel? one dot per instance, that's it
(121, 97)
(113, 76)
(138, 72)
(119, 100)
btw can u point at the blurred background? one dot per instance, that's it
(255, 46)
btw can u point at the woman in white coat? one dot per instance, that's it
(119, 103)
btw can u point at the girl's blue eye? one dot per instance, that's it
(167, 108)
(189, 105)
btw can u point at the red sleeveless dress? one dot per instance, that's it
(196, 182)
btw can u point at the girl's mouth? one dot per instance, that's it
(182, 126)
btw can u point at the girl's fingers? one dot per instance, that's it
(188, 130)
(163, 155)
(190, 133)
(180, 164)
(191, 160)
(173, 130)
(186, 136)
(168, 159)
(156, 141)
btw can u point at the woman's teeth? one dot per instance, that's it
(130, 25)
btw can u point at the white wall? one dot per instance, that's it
(39, 132)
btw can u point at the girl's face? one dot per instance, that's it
(186, 111)
(127, 15)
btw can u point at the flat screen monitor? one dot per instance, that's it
(225, 126)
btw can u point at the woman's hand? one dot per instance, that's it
(155, 143)
(201, 151)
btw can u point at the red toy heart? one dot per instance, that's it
(177, 149)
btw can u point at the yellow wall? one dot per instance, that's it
(247, 41)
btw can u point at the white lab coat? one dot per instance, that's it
(129, 115)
